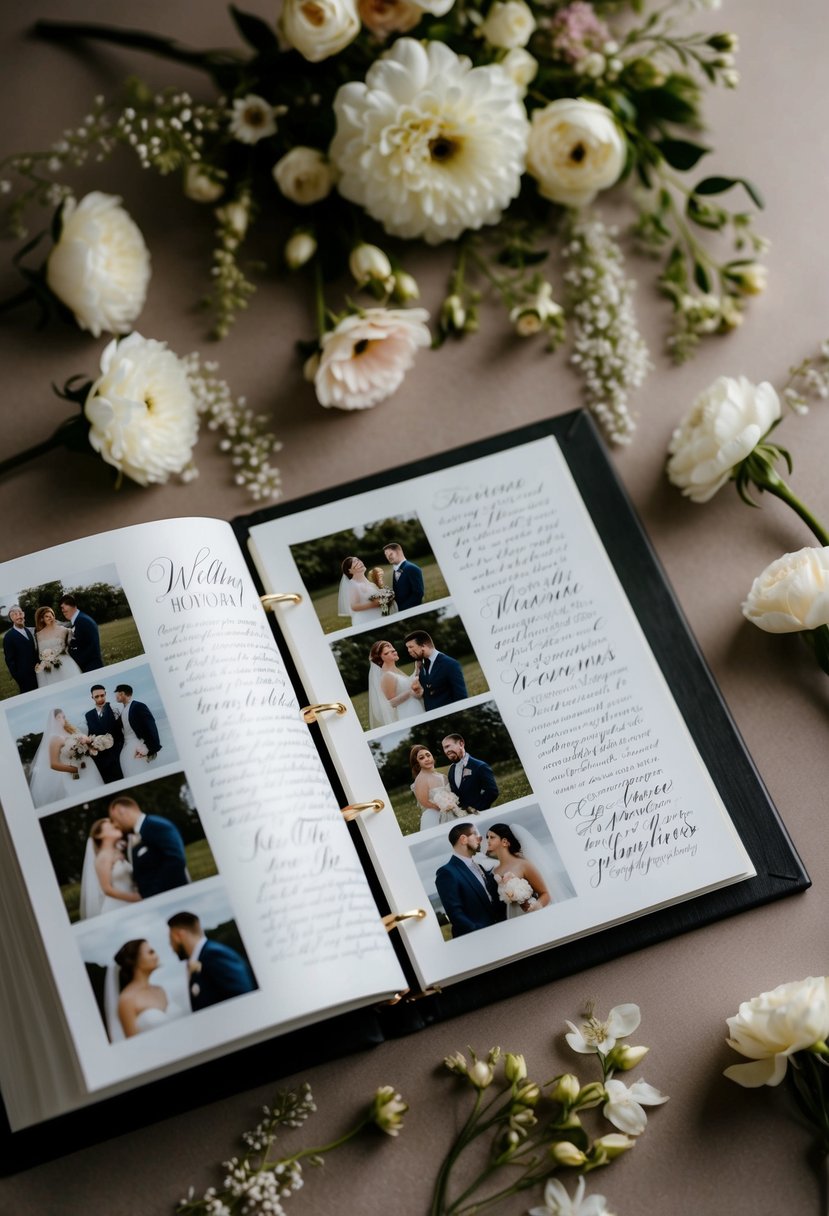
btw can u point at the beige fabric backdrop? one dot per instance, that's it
(713, 1148)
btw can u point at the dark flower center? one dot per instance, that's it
(578, 153)
(442, 149)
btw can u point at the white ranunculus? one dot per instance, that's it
(625, 1105)
(774, 1025)
(724, 426)
(100, 266)
(508, 24)
(430, 145)
(141, 409)
(791, 594)
(365, 359)
(521, 67)
(202, 186)
(319, 28)
(304, 175)
(575, 150)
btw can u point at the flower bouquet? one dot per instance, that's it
(447, 801)
(385, 598)
(75, 752)
(49, 660)
(514, 890)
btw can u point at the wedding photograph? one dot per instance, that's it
(96, 734)
(449, 768)
(157, 965)
(113, 852)
(64, 628)
(405, 668)
(497, 867)
(371, 571)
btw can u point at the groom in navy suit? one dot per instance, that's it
(20, 651)
(216, 972)
(155, 849)
(407, 577)
(468, 892)
(472, 780)
(140, 718)
(102, 720)
(85, 643)
(440, 676)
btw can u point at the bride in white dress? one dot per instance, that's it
(52, 777)
(54, 660)
(358, 597)
(431, 790)
(392, 694)
(106, 882)
(141, 1006)
(520, 882)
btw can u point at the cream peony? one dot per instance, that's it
(319, 28)
(365, 358)
(100, 266)
(774, 1025)
(509, 24)
(575, 150)
(142, 412)
(791, 594)
(724, 426)
(429, 145)
(304, 175)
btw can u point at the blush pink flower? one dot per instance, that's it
(365, 359)
(576, 31)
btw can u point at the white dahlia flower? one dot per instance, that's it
(365, 359)
(430, 145)
(100, 266)
(142, 411)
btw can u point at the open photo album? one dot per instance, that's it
(343, 768)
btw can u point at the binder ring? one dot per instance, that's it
(354, 808)
(310, 713)
(394, 918)
(280, 597)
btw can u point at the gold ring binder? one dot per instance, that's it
(408, 996)
(311, 712)
(280, 597)
(394, 918)
(354, 808)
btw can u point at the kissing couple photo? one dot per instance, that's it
(396, 674)
(92, 738)
(57, 633)
(368, 573)
(117, 851)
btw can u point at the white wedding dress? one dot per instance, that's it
(429, 816)
(132, 765)
(93, 901)
(47, 784)
(54, 643)
(352, 592)
(381, 712)
(151, 1019)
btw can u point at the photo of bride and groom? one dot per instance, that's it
(369, 572)
(117, 851)
(500, 867)
(61, 631)
(97, 735)
(180, 960)
(451, 767)
(406, 669)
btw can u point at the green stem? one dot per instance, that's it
(39, 449)
(62, 31)
(777, 486)
(325, 1148)
(442, 1180)
(22, 297)
(319, 300)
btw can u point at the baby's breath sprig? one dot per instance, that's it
(256, 1184)
(231, 289)
(609, 351)
(809, 379)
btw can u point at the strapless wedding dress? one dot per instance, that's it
(362, 593)
(151, 1019)
(53, 645)
(122, 880)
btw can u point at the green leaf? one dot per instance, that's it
(256, 32)
(517, 258)
(706, 217)
(681, 153)
(719, 185)
(702, 278)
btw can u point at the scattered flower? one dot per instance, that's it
(772, 1027)
(304, 176)
(251, 119)
(557, 1201)
(791, 594)
(366, 357)
(387, 1110)
(575, 150)
(595, 1036)
(624, 1106)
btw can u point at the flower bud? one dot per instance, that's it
(369, 264)
(456, 1063)
(612, 1145)
(235, 217)
(522, 1117)
(566, 1089)
(405, 287)
(724, 42)
(622, 1058)
(515, 1067)
(309, 367)
(299, 249)
(387, 1110)
(481, 1074)
(565, 1153)
(645, 74)
(202, 186)
(591, 1095)
(453, 315)
(751, 280)
(528, 1094)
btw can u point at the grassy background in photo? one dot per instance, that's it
(512, 783)
(119, 641)
(200, 864)
(325, 599)
(472, 674)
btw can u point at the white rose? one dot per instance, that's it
(725, 424)
(142, 411)
(769, 1028)
(509, 23)
(436, 8)
(319, 28)
(100, 266)
(365, 359)
(576, 149)
(521, 68)
(791, 594)
(201, 186)
(299, 249)
(304, 175)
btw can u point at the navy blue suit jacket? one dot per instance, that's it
(108, 763)
(85, 647)
(143, 723)
(158, 861)
(408, 585)
(444, 682)
(21, 656)
(467, 904)
(478, 789)
(223, 974)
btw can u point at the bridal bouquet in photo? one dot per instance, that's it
(515, 890)
(352, 128)
(75, 751)
(100, 743)
(446, 801)
(49, 659)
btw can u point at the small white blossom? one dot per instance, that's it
(596, 1036)
(251, 119)
(624, 1106)
(557, 1201)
